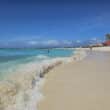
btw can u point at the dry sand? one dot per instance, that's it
(83, 85)
(102, 49)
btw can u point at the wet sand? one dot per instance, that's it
(82, 85)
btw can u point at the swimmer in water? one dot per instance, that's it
(48, 51)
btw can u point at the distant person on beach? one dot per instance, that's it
(90, 48)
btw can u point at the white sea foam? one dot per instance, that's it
(21, 91)
(42, 57)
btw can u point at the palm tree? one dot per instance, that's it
(107, 36)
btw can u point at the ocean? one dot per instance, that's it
(21, 72)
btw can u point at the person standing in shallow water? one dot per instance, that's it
(48, 51)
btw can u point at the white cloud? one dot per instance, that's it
(51, 42)
(66, 42)
(32, 42)
(48, 42)
(78, 41)
(94, 39)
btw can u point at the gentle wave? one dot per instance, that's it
(21, 91)
(42, 57)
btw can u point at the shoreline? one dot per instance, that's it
(31, 83)
(57, 80)
(24, 88)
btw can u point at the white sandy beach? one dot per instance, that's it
(82, 85)
(102, 49)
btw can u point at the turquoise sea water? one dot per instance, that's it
(10, 59)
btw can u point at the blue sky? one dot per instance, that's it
(29, 22)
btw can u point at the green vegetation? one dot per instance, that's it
(107, 36)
